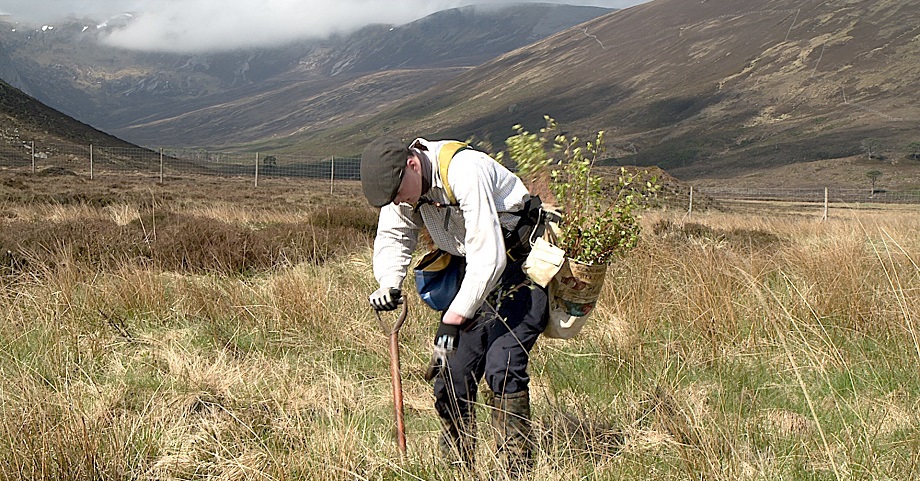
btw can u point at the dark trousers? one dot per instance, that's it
(497, 346)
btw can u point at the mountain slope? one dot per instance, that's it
(22, 118)
(273, 114)
(167, 99)
(457, 37)
(696, 87)
(8, 71)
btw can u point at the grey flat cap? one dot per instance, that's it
(382, 164)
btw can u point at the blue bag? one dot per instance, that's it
(438, 276)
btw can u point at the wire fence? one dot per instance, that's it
(94, 160)
(166, 164)
(811, 202)
(816, 195)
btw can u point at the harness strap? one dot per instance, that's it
(516, 239)
(447, 152)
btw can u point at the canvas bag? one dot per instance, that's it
(573, 295)
(545, 258)
(573, 287)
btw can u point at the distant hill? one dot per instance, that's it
(8, 71)
(24, 119)
(706, 90)
(712, 88)
(246, 96)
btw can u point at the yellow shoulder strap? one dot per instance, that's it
(445, 155)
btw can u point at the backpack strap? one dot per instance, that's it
(445, 155)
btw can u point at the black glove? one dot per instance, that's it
(446, 341)
(386, 299)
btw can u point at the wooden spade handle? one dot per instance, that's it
(395, 375)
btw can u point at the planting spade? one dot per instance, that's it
(393, 333)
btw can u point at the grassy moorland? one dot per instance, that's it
(218, 331)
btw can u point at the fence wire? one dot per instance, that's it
(163, 164)
(93, 160)
(815, 195)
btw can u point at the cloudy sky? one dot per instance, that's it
(192, 25)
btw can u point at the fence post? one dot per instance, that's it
(32, 149)
(90, 161)
(690, 210)
(332, 176)
(257, 169)
(161, 165)
(825, 205)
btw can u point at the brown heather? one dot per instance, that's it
(193, 234)
(179, 242)
(194, 338)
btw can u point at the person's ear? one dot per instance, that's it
(413, 163)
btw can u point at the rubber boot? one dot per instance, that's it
(458, 441)
(511, 421)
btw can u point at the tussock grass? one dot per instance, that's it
(729, 347)
(110, 237)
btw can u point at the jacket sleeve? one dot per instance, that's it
(397, 236)
(485, 245)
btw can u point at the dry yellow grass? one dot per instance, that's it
(726, 347)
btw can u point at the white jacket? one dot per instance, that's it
(488, 195)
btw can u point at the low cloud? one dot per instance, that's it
(209, 25)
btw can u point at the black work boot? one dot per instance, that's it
(458, 441)
(511, 421)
